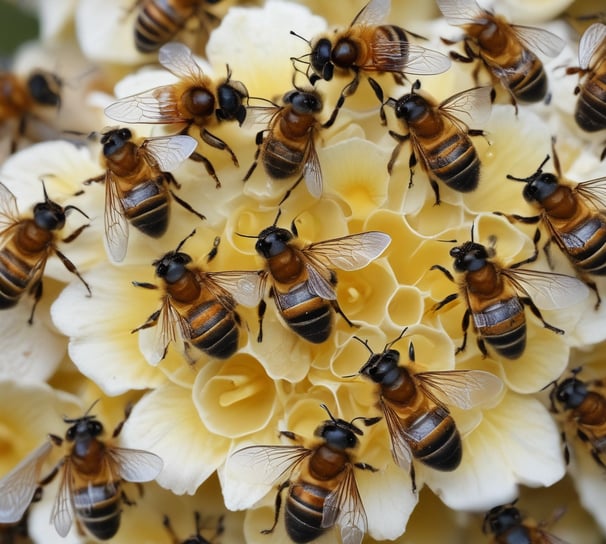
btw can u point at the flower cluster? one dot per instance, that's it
(194, 410)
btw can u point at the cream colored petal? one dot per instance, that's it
(234, 398)
(166, 423)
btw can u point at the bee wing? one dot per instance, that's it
(115, 221)
(171, 327)
(17, 488)
(350, 252)
(548, 290)
(472, 107)
(266, 464)
(539, 39)
(462, 388)
(418, 61)
(312, 172)
(343, 506)
(245, 286)
(62, 513)
(9, 213)
(372, 13)
(594, 191)
(158, 105)
(168, 152)
(460, 12)
(590, 42)
(260, 115)
(136, 465)
(178, 59)
(400, 450)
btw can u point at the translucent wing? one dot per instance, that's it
(62, 512)
(115, 222)
(472, 106)
(245, 286)
(460, 12)
(168, 152)
(539, 39)
(257, 116)
(135, 465)
(9, 213)
(348, 252)
(548, 290)
(171, 327)
(312, 172)
(462, 388)
(343, 507)
(418, 60)
(400, 449)
(17, 488)
(158, 105)
(178, 59)
(593, 190)
(592, 39)
(266, 464)
(373, 13)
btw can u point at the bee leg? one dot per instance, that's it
(217, 143)
(465, 327)
(366, 466)
(337, 309)
(72, 268)
(75, 234)
(36, 289)
(169, 528)
(127, 410)
(278, 505)
(533, 257)
(290, 435)
(482, 347)
(187, 206)
(348, 90)
(603, 154)
(97, 179)
(261, 312)
(210, 169)
(400, 138)
(258, 141)
(151, 321)
(527, 301)
(435, 187)
(214, 250)
(413, 480)
(126, 500)
(566, 449)
(290, 190)
(449, 276)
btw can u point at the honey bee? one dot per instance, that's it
(414, 406)
(197, 538)
(508, 526)
(322, 489)
(506, 50)
(574, 217)
(137, 185)
(198, 308)
(495, 296)
(439, 138)
(369, 46)
(27, 243)
(20, 99)
(302, 279)
(159, 21)
(590, 112)
(287, 146)
(584, 405)
(194, 100)
(90, 488)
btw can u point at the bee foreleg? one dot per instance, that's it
(75, 234)
(530, 220)
(533, 257)
(210, 169)
(261, 312)
(278, 505)
(187, 206)
(400, 138)
(72, 268)
(465, 327)
(527, 301)
(217, 143)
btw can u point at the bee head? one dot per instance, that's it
(321, 59)
(501, 518)
(340, 434)
(172, 266)
(539, 186)
(571, 393)
(48, 215)
(272, 241)
(44, 88)
(469, 257)
(303, 102)
(114, 140)
(411, 107)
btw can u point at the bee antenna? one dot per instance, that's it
(415, 86)
(293, 33)
(277, 217)
(85, 416)
(411, 352)
(46, 199)
(325, 408)
(185, 240)
(368, 421)
(389, 344)
(245, 235)
(364, 343)
(70, 207)
(538, 172)
(453, 241)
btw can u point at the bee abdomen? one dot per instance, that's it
(456, 163)
(147, 208)
(437, 442)
(156, 24)
(14, 278)
(214, 330)
(586, 246)
(503, 326)
(308, 315)
(590, 112)
(98, 508)
(303, 513)
(281, 161)
(529, 83)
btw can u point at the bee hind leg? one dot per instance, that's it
(218, 143)
(278, 506)
(527, 301)
(338, 309)
(210, 169)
